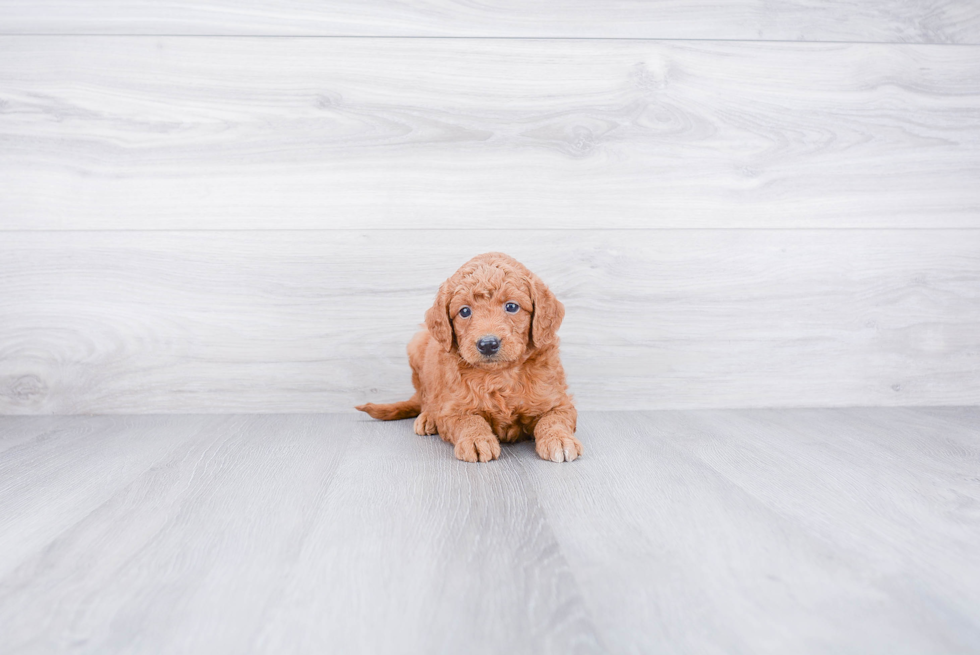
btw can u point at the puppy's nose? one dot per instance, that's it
(488, 345)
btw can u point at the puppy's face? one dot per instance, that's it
(492, 311)
(491, 321)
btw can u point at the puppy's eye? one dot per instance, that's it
(511, 308)
(465, 312)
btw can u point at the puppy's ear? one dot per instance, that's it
(547, 314)
(437, 319)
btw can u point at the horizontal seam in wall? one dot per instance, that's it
(482, 38)
(516, 229)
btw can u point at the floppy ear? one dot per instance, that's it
(546, 315)
(437, 319)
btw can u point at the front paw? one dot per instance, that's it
(477, 449)
(425, 425)
(558, 446)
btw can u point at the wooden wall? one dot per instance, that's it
(210, 208)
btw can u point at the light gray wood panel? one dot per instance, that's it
(17, 430)
(752, 531)
(867, 490)
(68, 470)
(427, 554)
(943, 21)
(830, 530)
(319, 321)
(303, 535)
(263, 133)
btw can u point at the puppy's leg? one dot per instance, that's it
(471, 436)
(554, 435)
(426, 421)
(425, 424)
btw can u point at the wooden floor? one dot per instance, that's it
(755, 531)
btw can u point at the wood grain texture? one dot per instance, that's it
(823, 530)
(942, 21)
(428, 555)
(755, 531)
(850, 498)
(296, 534)
(268, 133)
(143, 322)
(69, 469)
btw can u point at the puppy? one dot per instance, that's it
(486, 368)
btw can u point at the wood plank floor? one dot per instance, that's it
(755, 531)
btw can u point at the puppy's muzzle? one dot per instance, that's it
(488, 345)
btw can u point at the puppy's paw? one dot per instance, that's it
(424, 425)
(558, 446)
(478, 449)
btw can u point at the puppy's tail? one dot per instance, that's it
(393, 411)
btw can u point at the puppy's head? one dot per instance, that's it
(493, 311)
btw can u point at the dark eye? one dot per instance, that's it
(511, 308)
(465, 312)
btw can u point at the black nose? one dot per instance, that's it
(488, 345)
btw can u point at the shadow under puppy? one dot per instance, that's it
(486, 367)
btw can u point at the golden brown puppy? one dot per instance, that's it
(486, 368)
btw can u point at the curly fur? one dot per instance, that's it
(475, 401)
